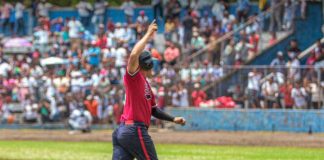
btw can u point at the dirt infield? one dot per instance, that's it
(167, 136)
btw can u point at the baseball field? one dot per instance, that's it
(59, 145)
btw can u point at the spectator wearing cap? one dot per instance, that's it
(198, 95)
(142, 19)
(128, 7)
(99, 13)
(84, 10)
(171, 54)
(279, 62)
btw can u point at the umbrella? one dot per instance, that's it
(52, 61)
(17, 42)
(17, 45)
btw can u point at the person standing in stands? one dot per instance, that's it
(5, 16)
(84, 10)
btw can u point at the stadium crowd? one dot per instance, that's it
(95, 54)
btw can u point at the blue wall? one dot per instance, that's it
(251, 120)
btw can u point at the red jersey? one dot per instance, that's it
(139, 99)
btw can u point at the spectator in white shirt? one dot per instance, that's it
(128, 7)
(84, 10)
(99, 13)
(299, 94)
(121, 54)
(19, 12)
(43, 9)
(142, 19)
(253, 88)
(41, 40)
(74, 27)
(270, 91)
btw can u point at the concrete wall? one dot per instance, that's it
(251, 120)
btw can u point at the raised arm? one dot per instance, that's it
(133, 62)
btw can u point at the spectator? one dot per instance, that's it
(92, 106)
(316, 97)
(74, 28)
(242, 10)
(273, 39)
(157, 8)
(80, 119)
(289, 14)
(99, 13)
(5, 16)
(128, 7)
(253, 42)
(299, 94)
(171, 54)
(238, 96)
(218, 10)
(205, 22)
(270, 91)
(20, 24)
(169, 28)
(253, 88)
(142, 19)
(172, 9)
(198, 95)
(188, 24)
(84, 10)
(41, 40)
(197, 41)
(293, 49)
(276, 8)
(44, 111)
(183, 94)
(229, 53)
(43, 9)
(279, 62)
(285, 93)
(294, 69)
(93, 55)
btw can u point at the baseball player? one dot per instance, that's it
(131, 139)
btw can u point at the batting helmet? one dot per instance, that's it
(145, 60)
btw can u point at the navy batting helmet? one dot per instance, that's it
(145, 60)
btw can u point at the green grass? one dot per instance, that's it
(29, 150)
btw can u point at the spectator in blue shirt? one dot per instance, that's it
(93, 55)
(243, 7)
